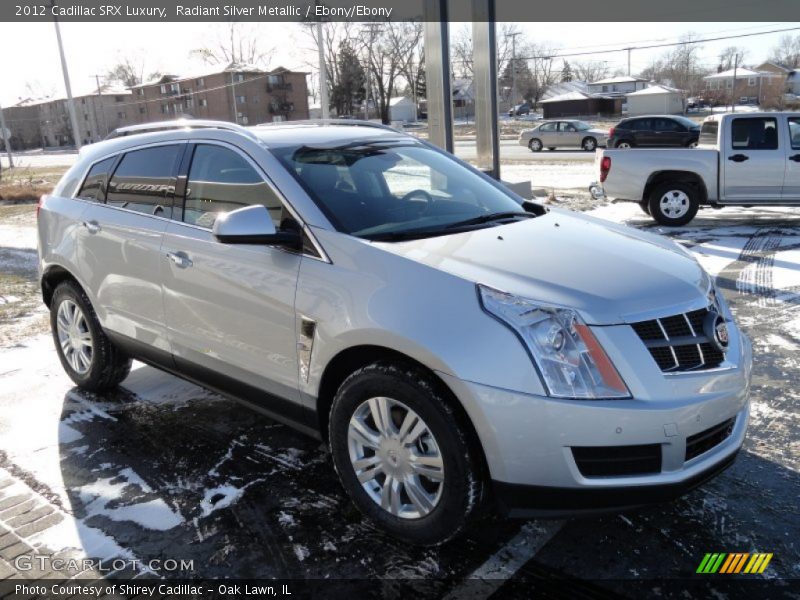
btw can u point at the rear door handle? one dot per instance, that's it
(738, 158)
(795, 158)
(92, 226)
(181, 259)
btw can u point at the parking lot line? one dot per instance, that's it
(503, 564)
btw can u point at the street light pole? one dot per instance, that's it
(513, 37)
(6, 138)
(323, 74)
(76, 134)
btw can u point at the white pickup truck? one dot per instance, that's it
(742, 159)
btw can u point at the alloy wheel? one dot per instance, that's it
(396, 458)
(74, 336)
(674, 204)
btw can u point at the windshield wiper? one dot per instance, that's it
(399, 236)
(499, 216)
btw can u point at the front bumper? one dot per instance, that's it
(528, 440)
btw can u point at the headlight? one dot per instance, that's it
(569, 358)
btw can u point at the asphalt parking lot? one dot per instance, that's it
(164, 469)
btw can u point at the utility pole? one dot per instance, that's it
(513, 37)
(629, 60)
(233, 97)
(6, 138)
(323, 74)
(102, 106)
(733, 87)
(76, 134)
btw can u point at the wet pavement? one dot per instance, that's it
(162, 468)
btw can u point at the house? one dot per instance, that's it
(574, 104)
(463, 92)
(402, 109)
(742, 86)
(656, 99)
(241, 93)
(98, 113)
(789, 76)
(617, 86)
(565, 87)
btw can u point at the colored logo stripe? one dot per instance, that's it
(722, 562)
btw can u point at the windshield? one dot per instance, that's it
(394, 189)
(581, 126)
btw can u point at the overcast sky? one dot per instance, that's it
(29, 55)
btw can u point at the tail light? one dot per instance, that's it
(40, 204)
(611, 132)
(605, 167)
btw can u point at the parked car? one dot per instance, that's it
(379, 294)
(519, 109)
(566, 133)
(653, 132)
(742, 159)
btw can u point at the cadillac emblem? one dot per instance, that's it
(716, 330)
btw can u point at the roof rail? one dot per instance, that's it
(323, 122)
(180, 124)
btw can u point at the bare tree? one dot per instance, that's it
(787, 51)
(235, 43)
(462, 48)
(590, 70)
(128, 71)
(679, 67)
(730, 57)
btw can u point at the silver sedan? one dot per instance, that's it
(568, 133)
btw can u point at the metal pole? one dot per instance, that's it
(513, 37)
(76, 134)
(6, 138)
(437, 74)
(484, 51)
(323, 74)
(629, 61)
(733, 87)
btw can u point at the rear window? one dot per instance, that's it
(145, 180)
(754, 133)
(94, 186)
(708, 133)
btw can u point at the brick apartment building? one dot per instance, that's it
(244, 94)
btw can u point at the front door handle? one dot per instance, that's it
(795, 158)
(92, 226)
(181, 259)
(738, 158)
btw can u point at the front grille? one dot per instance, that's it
(678, 342)
(704, 441)
(617, 461)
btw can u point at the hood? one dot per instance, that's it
(609, 273)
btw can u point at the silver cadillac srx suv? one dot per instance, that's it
(456, 346)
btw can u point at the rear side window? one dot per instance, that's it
(221, 180)
(708, 133)
(641, 125)
(794, 132)
(754, 133)
(666, 125)
(145, 180)
(94, 186)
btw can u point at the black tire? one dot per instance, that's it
(461, 492)
(624, 144)
(108, 366)
(686, 197)
(535, 145)
(645, 206)
(589, 144)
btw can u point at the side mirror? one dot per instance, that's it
(253, 225)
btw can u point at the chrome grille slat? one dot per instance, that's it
(677, 342)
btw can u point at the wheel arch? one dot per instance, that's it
(351, 359)
(688, 177)
(51, 278)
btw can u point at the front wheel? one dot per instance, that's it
(402, 454)
(589, 144)
(86, 353)
(673, 204)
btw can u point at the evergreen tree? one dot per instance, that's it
(350, 89)
(566, 72)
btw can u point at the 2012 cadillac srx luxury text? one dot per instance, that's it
(457, 348)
